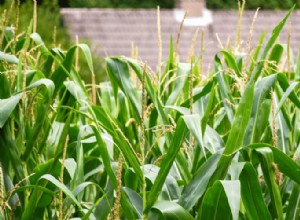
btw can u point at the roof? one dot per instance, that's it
(112, 32)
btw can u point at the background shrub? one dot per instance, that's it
(263, 4)
(212, 4)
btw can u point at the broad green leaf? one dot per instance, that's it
(252, 195)
(274, 58)
(12, 59)
(212, 140)
(233, 192)
(224, 89)
(292, 211)
(183, 71)
(105, 155)
(5, 86)
(104, 207)
(193, 124)
(152, 93)
(208, 110)
(286, 94)
(135, 200)
(38, 40)
(199, 93)
(275, 33)
(10, 154)
(237, 132)
(119, 73)
(62, 187)
(282, 128)
(88, 56)
(170, 190)
(45, 82)
(7, 106)
(169, 211)
(231, 63)
(285, 85)
(266, 160)
(180, 133)
(259, 108)
(215, 204)
(76, 91)
(197, 186)
(79, 174)
(101, 117)
(285, 164)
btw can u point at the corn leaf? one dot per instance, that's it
(7, 106)
(252, 195)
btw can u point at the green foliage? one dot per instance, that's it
(211, 4)
(54, 34)
(122, 3)
(47, 13)
(176, 146)
(254, 4)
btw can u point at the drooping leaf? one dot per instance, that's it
(7, 106)
(169, 211)
(62, 187)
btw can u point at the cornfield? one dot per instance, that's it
(169, 145)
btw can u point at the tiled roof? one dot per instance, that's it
(111, 32)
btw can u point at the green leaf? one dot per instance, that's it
(266, 160)
(224, 89)
(233, 192)
(199, 93)
(180, 133)
(5, 86)
(285, 164)
(197, 186)
(169, 211)
(237, 132)
(7, 106)
(119, 73)
(135, 200)
(255, 128)
(208, 109)
(38, 40)
(62, 187)
(292, 211)
(45, 82)
(76, 91)
(285, 85)
(283, 128)
(286, 94)
(231, 63)
(215, 204)
(252, 195)
(193, 124)
(88, 56)
(100, 116)
(275, 33)
(170, 190)
(11, 59)
(183, 70)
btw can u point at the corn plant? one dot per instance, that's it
(144, 146)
